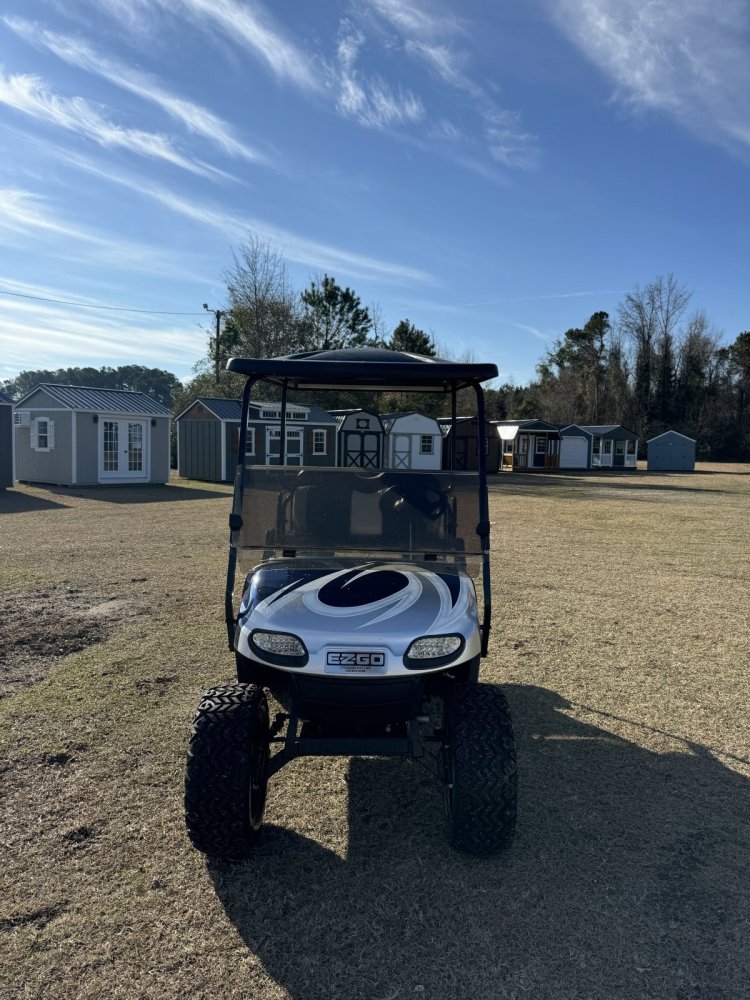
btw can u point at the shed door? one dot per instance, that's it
(574, 453)
(123, 448)
(293, 446)
(462, 452)
(401, 453)
(361, 450)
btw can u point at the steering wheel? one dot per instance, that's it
(430, 501)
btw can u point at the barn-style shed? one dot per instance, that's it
(460, 444)
(671, 452)
(412, 441)
(360, 439)
(575, 447)
(529, 445)
(613, 446)
(77, 436)
(7, 442)
(208, 434)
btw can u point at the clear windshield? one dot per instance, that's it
(308, 512)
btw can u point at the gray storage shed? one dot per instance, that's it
(208, 435)
(207, 432)
(76, 436)
(7, 442)
(671, 452)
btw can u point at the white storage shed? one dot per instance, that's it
(412, 441)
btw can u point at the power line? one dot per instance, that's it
(89, 305)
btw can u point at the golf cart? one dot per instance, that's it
(358, 612)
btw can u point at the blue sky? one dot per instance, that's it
(494, 175)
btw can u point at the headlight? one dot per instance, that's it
(281, 648)
(433, 651)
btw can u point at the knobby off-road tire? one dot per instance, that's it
(226, 776)
(479, 757)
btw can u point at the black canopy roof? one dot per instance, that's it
(374, 368)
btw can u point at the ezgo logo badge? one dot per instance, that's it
(353, 658)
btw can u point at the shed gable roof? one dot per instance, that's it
(667, 434)
(231, 410)
(575, 430)
(78, 397)
(222, 409)
(389, 419)
(526, 424)
(6, 400)
(614, 431)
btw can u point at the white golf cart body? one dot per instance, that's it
(358, 611)
(365, 577)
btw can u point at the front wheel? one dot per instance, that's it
(479, 765)
(226, 776)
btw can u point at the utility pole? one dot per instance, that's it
(218, 314)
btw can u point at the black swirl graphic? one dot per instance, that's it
(358, 589)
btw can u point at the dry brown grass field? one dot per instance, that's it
(621, 637)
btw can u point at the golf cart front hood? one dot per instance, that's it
(384, 606)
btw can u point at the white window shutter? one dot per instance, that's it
(34, 435)
(50, 434)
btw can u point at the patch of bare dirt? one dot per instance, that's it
(37, 629)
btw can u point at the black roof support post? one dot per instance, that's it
(235, 518)
(483, 528)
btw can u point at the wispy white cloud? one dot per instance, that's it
(438, 42)
(533, 330)
(253, 26)
(688, 58)
(234, 226)
(415, 21)
(24, 214)
(246, 24)
(43, 335)
(194, 117)
(373, 102)
(28, 95)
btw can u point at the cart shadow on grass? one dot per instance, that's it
(133, 493)
(626, 879)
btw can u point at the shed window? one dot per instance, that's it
(362, 423)
(426, 444)
(297, 415)
(541, 444)
(607, 446)
(319, 443)
(631, 447)
(250, 441)
(619, 447)
(43, 434)
(596, 445)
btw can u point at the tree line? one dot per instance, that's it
(153, 382)
(266, 317)
(654, 366)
